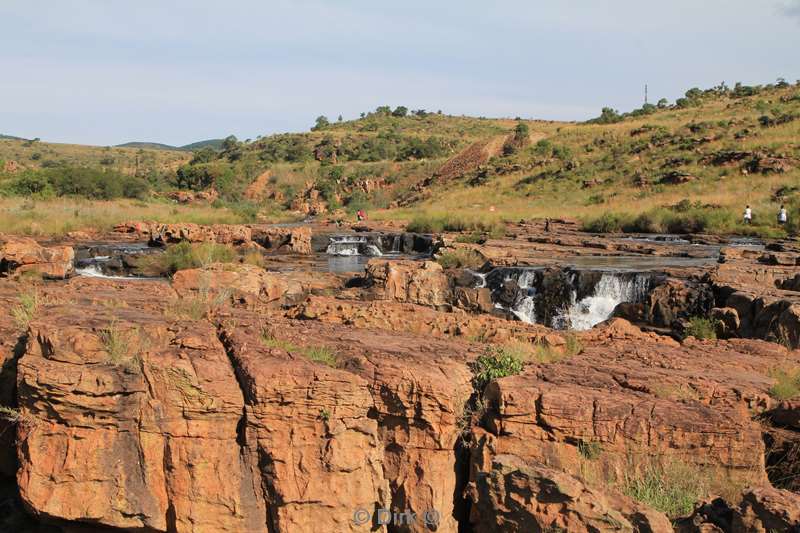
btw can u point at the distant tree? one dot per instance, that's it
(781, 83)
(662, 104)
(522, 131)
(363, 114)
(340, 118)
(683, 103)
(321, 123)
(694, 93)
(36, 156)
(383, 110)
(608, 115)
(204, 155)
(400, 111)
(230, 143)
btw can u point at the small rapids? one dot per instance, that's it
(563, 299)
(352, 245)
(609, 292)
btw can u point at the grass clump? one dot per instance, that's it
(23, 312)
(199, 305)
(185, 255)
(455, 223)
(496, 362)
(702, 328)
(545, 353)
(461, 258)
(590, 450)
(123, 347)
(318, 354)
(787, 383)
(672, 488)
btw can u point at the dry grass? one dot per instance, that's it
(60, 216)
(319, 354)
(25, 310)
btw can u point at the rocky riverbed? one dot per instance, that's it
(556, 383)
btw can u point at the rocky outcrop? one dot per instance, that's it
(163, 234)
(295, 239)
(677, 299)
(509, 494)
(22, 254)
(423, 283)
(133, 424)
(190, 197)
(226, 280)
(761, 509)
(417, 319)
(375, 431)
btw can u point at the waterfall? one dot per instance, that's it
(610, 291)
(579, 300)
(352, 245)
(525, 307)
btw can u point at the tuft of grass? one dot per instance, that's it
(544, 353)
(255, 258)
(672, 488)
(16, 416)
(702, 328)
(590, 450)
(461, 258)
(185, 255)
(496, 362)
(787, 383)
(23, 312)
(441, 223)
(124, 350)
(318, 354)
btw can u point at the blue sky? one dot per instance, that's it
(110, 71)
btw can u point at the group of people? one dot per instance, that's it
(782, 216)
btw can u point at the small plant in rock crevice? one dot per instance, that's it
(318, 354)
(702, 328)
(496, 362)
(124, 347)
(787, 383)
(23, 312)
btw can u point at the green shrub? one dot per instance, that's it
(185, 255)
(461, 258)
(787, 383)
(24, 311)
(606, 223)
(672, 488)
(496, 362)
(702, 328)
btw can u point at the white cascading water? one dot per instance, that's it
(525, 308)
(352, 245)
(610, 291)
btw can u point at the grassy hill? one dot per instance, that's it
(36, 155)
(690, 166)
(209, 143)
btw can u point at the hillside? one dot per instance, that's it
(212, 143)
(691, 166)
(35, 155)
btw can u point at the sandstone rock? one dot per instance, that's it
(727, 319)
(295, 239)
(232, 279)
(138, 227)
(510, 494)
(20, 254)
(761, 510)
(675, 299)
(139, 436)
(164, 234)
(423, 283)
(475, 300)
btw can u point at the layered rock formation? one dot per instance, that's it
(20, 254)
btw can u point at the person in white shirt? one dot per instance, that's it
(782, 216)
(748, 215)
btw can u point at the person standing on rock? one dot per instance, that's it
(748, 215)
(782, 216)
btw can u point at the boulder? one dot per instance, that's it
(240, 280)
(132, 424)
(675, 299)
(295, 239)
(510, 494)
(761, 509)
(22, 254)
(422, 283)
